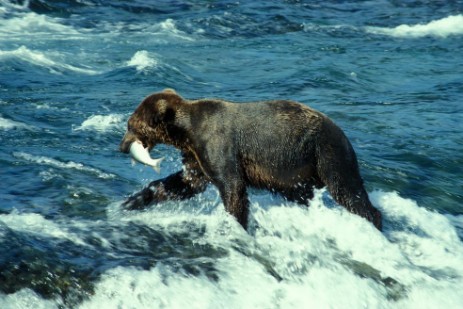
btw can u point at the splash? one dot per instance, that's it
(448, 26)
(101, 123)
(142, 60)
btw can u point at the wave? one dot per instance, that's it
(142, 60)
(31, 24)
(162, 32)
(40, 59)
(32, 223)
(65, 165)
(26, 298)
(8, 124)
(31, 19)
(243, 25)
(451, 25)
(169, 27)
(102, 123)
(6, 4)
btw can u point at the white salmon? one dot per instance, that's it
(141, 154)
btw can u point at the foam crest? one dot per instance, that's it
(142, 60)
(16, 6)
(26, 298)
(169, 28)
(135, 292)
(451, 25)
(162, 32)
(40, 59)
(36, 224)
(102, 123)
(29, 23)
(426, 238)
(8, 124)
(64, 165)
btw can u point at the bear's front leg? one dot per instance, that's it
(177, 186)
(235, 200)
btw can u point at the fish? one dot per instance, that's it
(141, 154)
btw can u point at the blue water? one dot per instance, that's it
(390, 73)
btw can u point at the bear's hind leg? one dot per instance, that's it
(359, 204)
(350, 193)
(340, 173)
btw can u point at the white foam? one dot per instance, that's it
(102, 123)
(50, 106)
(27, 23)
(429, 240)
(40, 59)
(142, 60)
(311, 27)
(7, 124)
(451, 25)
(168, 28)
(26, 298)
(319, 253)
(162, 32)
(136, 290)
(314, 250)
(36, 224)
(457, 221)
(16, 6)
(65, 165)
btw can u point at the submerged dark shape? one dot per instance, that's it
(280, 145)
(68, 272)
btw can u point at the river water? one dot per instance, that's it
(390, 73)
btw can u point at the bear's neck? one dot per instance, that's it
(177, 133)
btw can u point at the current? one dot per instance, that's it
(390, 73)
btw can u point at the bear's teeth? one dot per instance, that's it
(141, 154)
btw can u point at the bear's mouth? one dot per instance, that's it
(127, 141)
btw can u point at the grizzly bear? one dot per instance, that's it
(282, 146)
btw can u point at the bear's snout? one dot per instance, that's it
(128, 139)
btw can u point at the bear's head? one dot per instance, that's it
(154, 121)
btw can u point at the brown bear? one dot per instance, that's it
(282, 146)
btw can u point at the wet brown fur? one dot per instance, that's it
(282, 146)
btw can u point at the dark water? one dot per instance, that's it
(390, 73)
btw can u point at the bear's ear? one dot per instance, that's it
(163, 113)
(169, 90)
